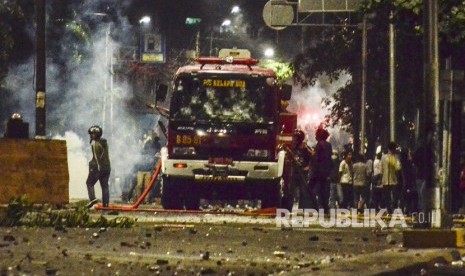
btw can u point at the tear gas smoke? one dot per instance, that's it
(307, 103)
(83, 97)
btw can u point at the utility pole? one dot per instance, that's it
(364, 80)
(430, 120)
(40, 70)
(392, 80)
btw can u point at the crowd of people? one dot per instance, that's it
(324, 178)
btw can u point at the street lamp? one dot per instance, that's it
(144, 20)
(269, 52)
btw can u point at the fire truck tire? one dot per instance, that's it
(271, 195)
(192, 203)
(192, 192)
(170, 197)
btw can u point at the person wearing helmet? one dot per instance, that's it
(16, 128)
(99, 166)
(302, 157)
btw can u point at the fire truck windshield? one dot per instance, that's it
(224, 98)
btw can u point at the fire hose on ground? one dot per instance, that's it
(135, 206)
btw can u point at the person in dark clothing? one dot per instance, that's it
(409, 197)
(16, 128)
(424, 174)
(322, 168)
(301, 169)
(99, 166)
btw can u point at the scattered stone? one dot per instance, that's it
(206, 256)
(148, 235)
(192, 231)
(304, 264)
(230, 250)
(219, 263)
(365, 239)
(9, 238)
(88, 256)
(162, 262)
(158, 228)
(206, 271)
(244, 243)
(390, 239)
(279, 254)
(327, 260)
(148, 244)
(95, 235)
(154, 268)
(102, 229)
(284, 247)
(64, 252)
(126, 244)
(51, 271)
(459, 263)
(179, 251)
(314, 238)
(338, 239)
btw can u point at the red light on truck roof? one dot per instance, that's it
(227, 60)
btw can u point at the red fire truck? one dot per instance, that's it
(226, 134)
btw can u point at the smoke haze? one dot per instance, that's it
(83, 97)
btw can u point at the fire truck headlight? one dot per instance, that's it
(184, 150)
(258, 153)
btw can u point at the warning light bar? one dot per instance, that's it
(228, 60)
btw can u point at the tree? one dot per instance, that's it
(338, 50)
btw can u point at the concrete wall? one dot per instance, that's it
(35, 168)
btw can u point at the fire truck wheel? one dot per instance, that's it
(192, 203)
(170, 197)
(271, 195)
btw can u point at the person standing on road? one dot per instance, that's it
(323, 165)
(390, 167)
(99, 166)
(376, 184)
(302, 156)
(345, 176)
(335, 192)
(361, 174)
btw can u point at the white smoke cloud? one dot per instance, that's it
(89, 98)
(78, 158)
(307, 102)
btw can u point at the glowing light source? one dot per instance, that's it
(269, 53)
(235, 9)
(144, 20)
(226, 22)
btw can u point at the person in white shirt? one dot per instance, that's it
(376, 185)
(345, 172)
